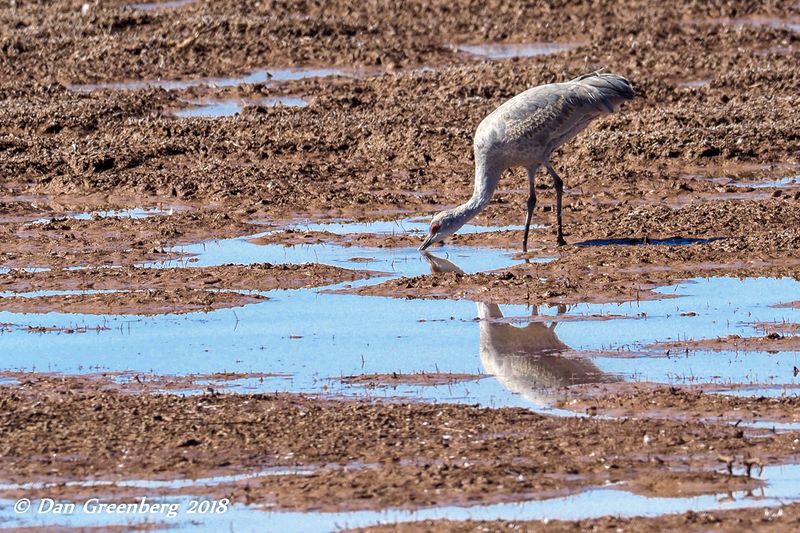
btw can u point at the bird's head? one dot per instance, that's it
(443, 225)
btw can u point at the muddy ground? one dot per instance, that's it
(717, 112)
(786, 518)
(73, 428)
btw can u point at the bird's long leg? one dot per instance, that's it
(559, 185)
(531, 204)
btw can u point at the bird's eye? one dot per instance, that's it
(435, 228)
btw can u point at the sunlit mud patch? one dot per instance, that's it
(228, 108)
(126, 302)
(512, 50)
(160, 484)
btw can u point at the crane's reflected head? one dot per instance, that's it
(443, 225)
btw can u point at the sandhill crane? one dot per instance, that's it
(523, 132)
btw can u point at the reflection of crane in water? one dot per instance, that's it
(523, 132)
(528, 360)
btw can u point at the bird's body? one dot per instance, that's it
(524, 132)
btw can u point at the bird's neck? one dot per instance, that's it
(486, 178)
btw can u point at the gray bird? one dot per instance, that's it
(523, 132)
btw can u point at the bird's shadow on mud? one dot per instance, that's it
(639, 241)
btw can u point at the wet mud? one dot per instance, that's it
(686, 402)
(420, 453)
(148, 302)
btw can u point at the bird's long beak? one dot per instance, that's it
(427, 242)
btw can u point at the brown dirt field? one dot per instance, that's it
(394, 141)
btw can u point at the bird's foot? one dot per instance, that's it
(561, 241)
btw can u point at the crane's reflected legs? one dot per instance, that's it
(559, 185)
(531, 204)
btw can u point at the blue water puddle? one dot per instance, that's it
(137, 212)
(410, 226)
(787, 181)
(533, 359)
(511, 50)
(395, 261)
(228, 108)
(315, 335)
(265, 75)
(781, 488)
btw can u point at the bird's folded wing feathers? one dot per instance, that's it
(551, 110)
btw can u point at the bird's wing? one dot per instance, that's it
(529, 114)
(550, 114)
(543, 114)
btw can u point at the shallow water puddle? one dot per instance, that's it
(532, 362)
(397, 261)
(512, 50)
(228, 108)
(410, 226)
(267, 75)
(137, 212)
(788, 181)
(782, 482)
(532, 357)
